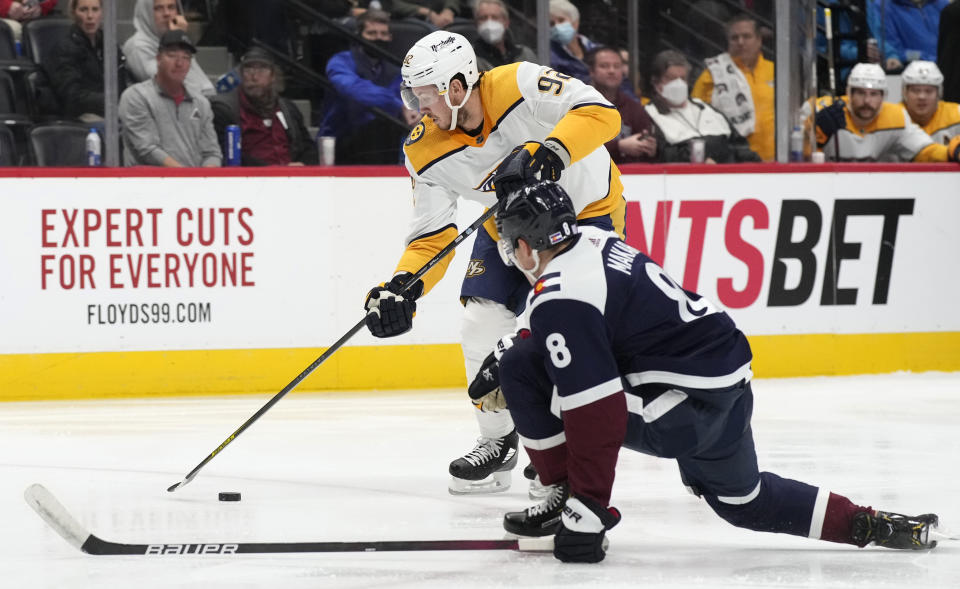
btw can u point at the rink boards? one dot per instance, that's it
(199, 282)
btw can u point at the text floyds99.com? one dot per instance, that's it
(146, 313)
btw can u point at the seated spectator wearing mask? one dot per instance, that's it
(362, 81)
(567, 46)
(164, 122)
(740, 84)
(922, 89)
(636, 141)
(679, 118)
(76, 67)
(495, 47)
(271, 127)
(151, 19)
(861, 126)
(17, 13)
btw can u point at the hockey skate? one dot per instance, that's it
(486, 468)
(536, 491)
(893, 530)
(543, 518)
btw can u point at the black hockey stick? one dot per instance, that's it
(336, 346)
(56, 515)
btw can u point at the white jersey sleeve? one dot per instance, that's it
(552, 94)
(434, 208)
(912, 139)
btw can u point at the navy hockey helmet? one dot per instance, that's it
(541, 214)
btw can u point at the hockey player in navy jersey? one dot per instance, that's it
(611, 352)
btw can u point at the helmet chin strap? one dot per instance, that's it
(531, 274)
(455, 109)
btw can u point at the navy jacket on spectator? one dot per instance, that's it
(361, 82)
(76, 73)
(567, 63)
(911, 28)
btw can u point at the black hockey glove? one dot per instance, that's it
(582, 527)
(831, 119)
(484, 391)
(390, 312)
(528, 163)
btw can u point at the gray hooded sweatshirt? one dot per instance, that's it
(141, 52)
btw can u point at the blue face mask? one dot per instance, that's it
(562, 32)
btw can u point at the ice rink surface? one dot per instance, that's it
(372, 466)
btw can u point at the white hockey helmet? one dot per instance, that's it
(924, 73)
(433, 61)
(867, 75)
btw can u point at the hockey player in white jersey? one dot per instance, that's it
(869, 129)
(612, 352)
(482, 133)
(922, 84)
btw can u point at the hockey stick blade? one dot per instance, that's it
(57, 517)
(463, 235)
(940, 535)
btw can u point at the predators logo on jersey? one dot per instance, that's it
(487, 185)
(475, 268)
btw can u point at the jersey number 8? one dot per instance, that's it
(559, 352)
(687, 307)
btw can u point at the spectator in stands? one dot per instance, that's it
(271, 127)
(910, 27)
(948, 51)
(631, 90)
(439, 13)
(862, 127)
(922, 89)
(637, 141)
(364, 80)
(164, 121)
(18, 12)
(76, 67)
(739, 83)
(151, 19)
(681, 119)
(495, 46)
(567, 46)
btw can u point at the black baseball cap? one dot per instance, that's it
(257, 55)
(177, 38)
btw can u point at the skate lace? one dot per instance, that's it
(551, 502)
(486, 449)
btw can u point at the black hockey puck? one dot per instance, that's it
(229, 496)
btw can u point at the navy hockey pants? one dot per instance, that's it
(707, 432)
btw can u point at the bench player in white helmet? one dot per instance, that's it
(869, 129)
(922, 91)
(484, 133)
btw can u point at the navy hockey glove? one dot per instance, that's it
(582, 527)
(389, 311)
(484, 391)
(529, 163)
(831, 119)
